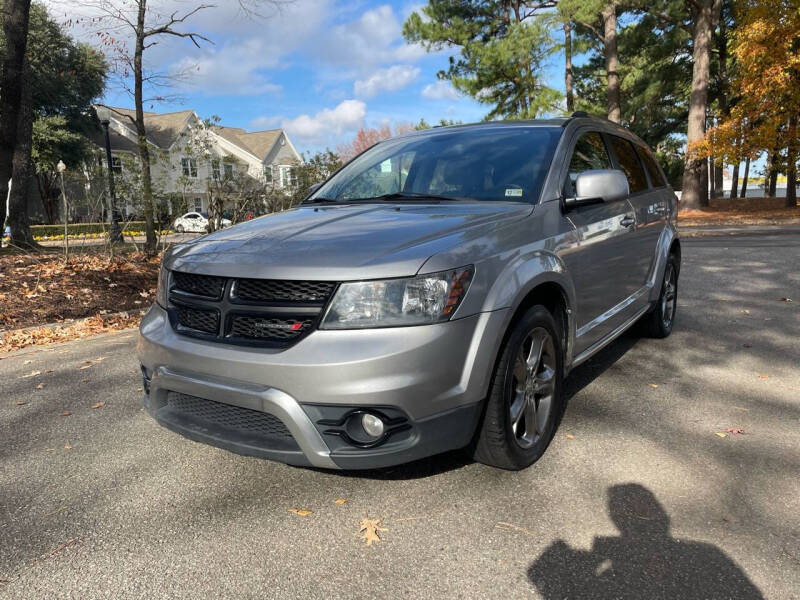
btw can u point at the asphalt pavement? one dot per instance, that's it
(639, 495)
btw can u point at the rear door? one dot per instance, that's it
(602, 265)
(648, 205)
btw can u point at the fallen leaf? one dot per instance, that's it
(85, 367)
(569, 436)
(66, 413)
(734, 431)
(720, 434)
(144, 294)
(303, 512)
(139, 389)
(67, 447)
(340, 501)
(746, 312)
(20, 403)
(40, 386)
(763, 376)
(653, 385)
(32, 374)
(785, 299)
(369, 529)
(100, 404)
(747, 345)
(84, 381)
(27, 362)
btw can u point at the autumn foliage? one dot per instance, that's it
(767, 82)
(367, 137)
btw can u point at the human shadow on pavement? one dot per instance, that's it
(644, 561)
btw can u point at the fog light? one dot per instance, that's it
(372, 425)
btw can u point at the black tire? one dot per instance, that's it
(499, 442)
(658, 323)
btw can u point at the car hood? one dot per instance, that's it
(341, 242)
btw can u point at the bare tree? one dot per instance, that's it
(148, 27)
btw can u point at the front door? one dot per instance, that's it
(603, 264)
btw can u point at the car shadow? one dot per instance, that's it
(644, 561)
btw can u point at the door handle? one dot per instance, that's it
(661, 210)
(627, 221)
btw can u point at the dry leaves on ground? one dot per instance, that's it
(303, 512)
(100, 404)
(340, 501)
(369, 529)
(14, 340)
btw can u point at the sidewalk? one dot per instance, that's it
(725, 230)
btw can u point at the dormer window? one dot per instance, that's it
(215, 172)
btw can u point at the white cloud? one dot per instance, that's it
(385, 80)
(441, 90)
(326, 125)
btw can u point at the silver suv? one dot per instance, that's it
(431, 295)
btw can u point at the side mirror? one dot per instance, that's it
(602, 185)
(314, 187)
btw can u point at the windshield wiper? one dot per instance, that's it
(319, 200)
(394, 196)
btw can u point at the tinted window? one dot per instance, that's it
(629, 163)
(652, 168)
(488, 164)
(589, 153)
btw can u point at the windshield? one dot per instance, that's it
(486, 164)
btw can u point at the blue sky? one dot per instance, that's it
(321, 69)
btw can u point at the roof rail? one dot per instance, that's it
(579, 113)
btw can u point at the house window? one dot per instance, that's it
(215, 169)
(228, 171)
(286, 176)
(268, 173)
(198, 205)
(189, 166)
(293, 176)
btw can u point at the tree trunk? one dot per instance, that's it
(791, 162)
(141, 132)
(568, 66)
(612, 62)
(22, 169)
(743, 193)
(735, 181)
(695, 178)
(15, 29)
(773, 182)
(711, 179)
(718, 181)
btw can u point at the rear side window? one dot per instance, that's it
(629, 163)
(589, 153)
(652, 168)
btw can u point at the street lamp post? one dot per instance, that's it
(61, 167)
(116, 230)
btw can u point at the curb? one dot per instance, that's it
(696, 231)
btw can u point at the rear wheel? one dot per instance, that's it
(658, 322)
(524, 402)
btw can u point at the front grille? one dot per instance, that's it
(270, 290)
(267, 429)
(268, 328)
(200, 285)
(264, 312)
(206, 321)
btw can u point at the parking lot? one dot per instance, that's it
(642, 494)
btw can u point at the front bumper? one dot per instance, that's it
(435, 376)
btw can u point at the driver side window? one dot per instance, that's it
(589, 153)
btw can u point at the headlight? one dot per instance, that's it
(163, 284)
(420, 300)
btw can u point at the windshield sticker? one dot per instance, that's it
(513, 192)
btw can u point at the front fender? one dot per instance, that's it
(665, 241)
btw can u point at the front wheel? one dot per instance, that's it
(525, 401)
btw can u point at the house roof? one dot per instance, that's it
(164, 129)
(119, 143)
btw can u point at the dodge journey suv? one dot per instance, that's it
(431, 295)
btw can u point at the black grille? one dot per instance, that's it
(263, 312)
(206, 321)
(248, 424)
(200, 285)
(270, 290)
(256, 327)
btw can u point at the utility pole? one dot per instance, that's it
(115, 230)
(61, 168)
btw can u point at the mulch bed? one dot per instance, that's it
(38, 289)
(742, 211)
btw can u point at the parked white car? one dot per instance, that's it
(195, 222)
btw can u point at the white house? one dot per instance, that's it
(267, 156)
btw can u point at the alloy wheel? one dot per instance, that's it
(532, 387)
(669, 296)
